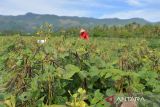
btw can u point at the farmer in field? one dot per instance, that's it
(84, 34)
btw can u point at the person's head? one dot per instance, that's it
(82, 30)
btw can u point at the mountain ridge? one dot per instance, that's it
(29, 21)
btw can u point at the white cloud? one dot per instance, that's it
(134, 2)
(150, 15)
(148, 9)
(141, 3)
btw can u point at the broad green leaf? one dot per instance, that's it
(94, 71)
(83, 74)
(97, 97)
(70, 70)
(110, 92)
(25, 96)
(108, 75)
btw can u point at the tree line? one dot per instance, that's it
(126, 31)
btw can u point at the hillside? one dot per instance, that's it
(29, 21)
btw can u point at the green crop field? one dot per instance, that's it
(70, 72)
(58, 69)
(80, 53)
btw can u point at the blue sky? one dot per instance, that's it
(124, 9)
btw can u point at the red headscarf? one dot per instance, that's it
(84, 34)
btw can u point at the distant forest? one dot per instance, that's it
(129, 30)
